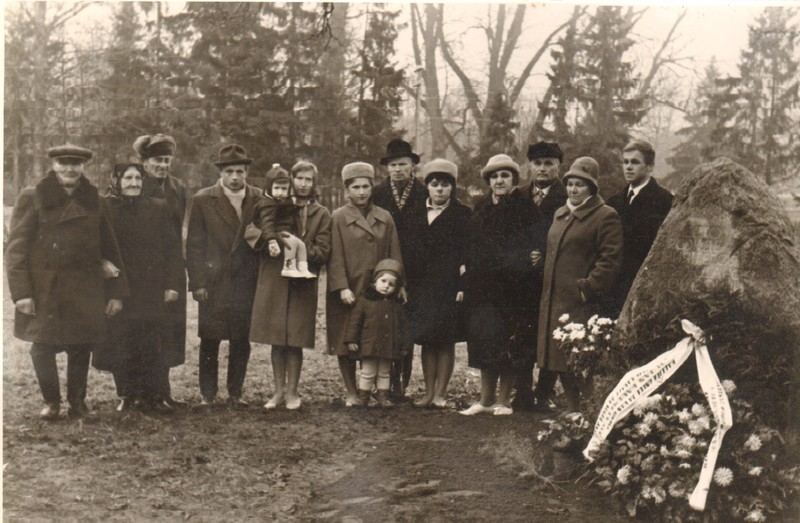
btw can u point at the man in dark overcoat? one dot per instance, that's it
(548, 193)
(156, 153)
(64, 275)
(223, 271)
(642, 205)
(400, 194)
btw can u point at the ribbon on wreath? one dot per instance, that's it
(641, 382)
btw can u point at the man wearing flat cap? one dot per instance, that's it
(64, 275)
(156, 153)
(223, 271)
(400, 194)
(548, 193)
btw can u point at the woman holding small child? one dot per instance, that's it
(362, 234)
(285, 308)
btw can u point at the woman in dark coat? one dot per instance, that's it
(584, 255)
(151, 254)
(362, 234)
(434, 261)
(285, 309)
(506, 248)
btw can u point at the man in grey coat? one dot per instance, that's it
(223, 271)
(64, 275)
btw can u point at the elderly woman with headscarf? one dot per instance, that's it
(584, 255)
(152, 259)
(362, 234)
(505, 251)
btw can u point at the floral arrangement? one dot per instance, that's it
(586, 346)
(569, 432)
(651, 461)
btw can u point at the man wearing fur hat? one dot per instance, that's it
(64, 275)
(400, 194)
(223, 271)
(156, 152)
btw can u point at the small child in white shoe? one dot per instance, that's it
(375, 330)
(275, 216)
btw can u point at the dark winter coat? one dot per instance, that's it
(173, 192)
(151, 254)
(432, 274)
(641, 221)
(55, 250)
(221, 261)
(378, 325)
(502, 282)
(556, 197)
(358, 243)
(584, 253)
(285, 309)
(382, 197)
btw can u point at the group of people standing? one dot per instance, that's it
(407, 264)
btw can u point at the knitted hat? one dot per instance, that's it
(149, 146)
(586, 168)
(273, 175)
(498, 162)
(439, 166)
(357, 170)
(545, 150)
(389, 265)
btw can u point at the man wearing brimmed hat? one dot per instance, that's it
(643, 206)
(546, 190)
(64, 275)
(223, 271)
(400, 194)
(156, 152)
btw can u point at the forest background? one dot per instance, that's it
(334, 82)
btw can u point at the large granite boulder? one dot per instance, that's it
(727, 259)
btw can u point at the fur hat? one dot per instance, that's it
(498, 162)
(545, 150)
(72, 152)
(357, 170)
(586, 168)
(398, 148)
(440, 166)
(148, 146)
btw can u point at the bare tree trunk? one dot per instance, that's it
(39, 90)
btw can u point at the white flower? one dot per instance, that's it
(650, 418)
(643, 429)
(664, 451)
(676, 491)
(559, 335)
(593, 320)
(723, 476)
(697, 427)
(686, 441)
(564, 318)
(647, 492)
(755, 471)
(659, 495)
(684, 466)
(577, 335)
(624, 474)
(684, 416)
(753, 443)
(755, 516)
(698, 410)
(729, 387)
(648, 463)
(705, 422)
(607, 337)
(683, 454)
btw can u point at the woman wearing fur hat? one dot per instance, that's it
(507, 247)
(152, 259)
(584, 255)
(361, 235)
(433, 263)
(156, 153)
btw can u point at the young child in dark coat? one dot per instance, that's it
(375, 331)
(275, 216)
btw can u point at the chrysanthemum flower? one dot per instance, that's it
(753, 443)
(698, 410)
(643, 429)
(624, 475)
(755, 516)
(684, 416)
(729, 387)
(676, 491)
(723, 476)
(650, 418)
(755, 471)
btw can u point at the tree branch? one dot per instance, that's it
(514, 32)
(473, 102)
(657, 61)
(67, 14)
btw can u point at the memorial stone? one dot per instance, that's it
(727, 259)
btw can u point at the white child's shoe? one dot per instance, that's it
(290, 271)
(302, 268)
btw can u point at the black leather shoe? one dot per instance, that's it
(79, 410)
(175, 404)
(237, 402)
(50, 412)
(126, 404)
(544, 406)
(161, 407)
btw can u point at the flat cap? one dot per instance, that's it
(70, 151)
(357, 170)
